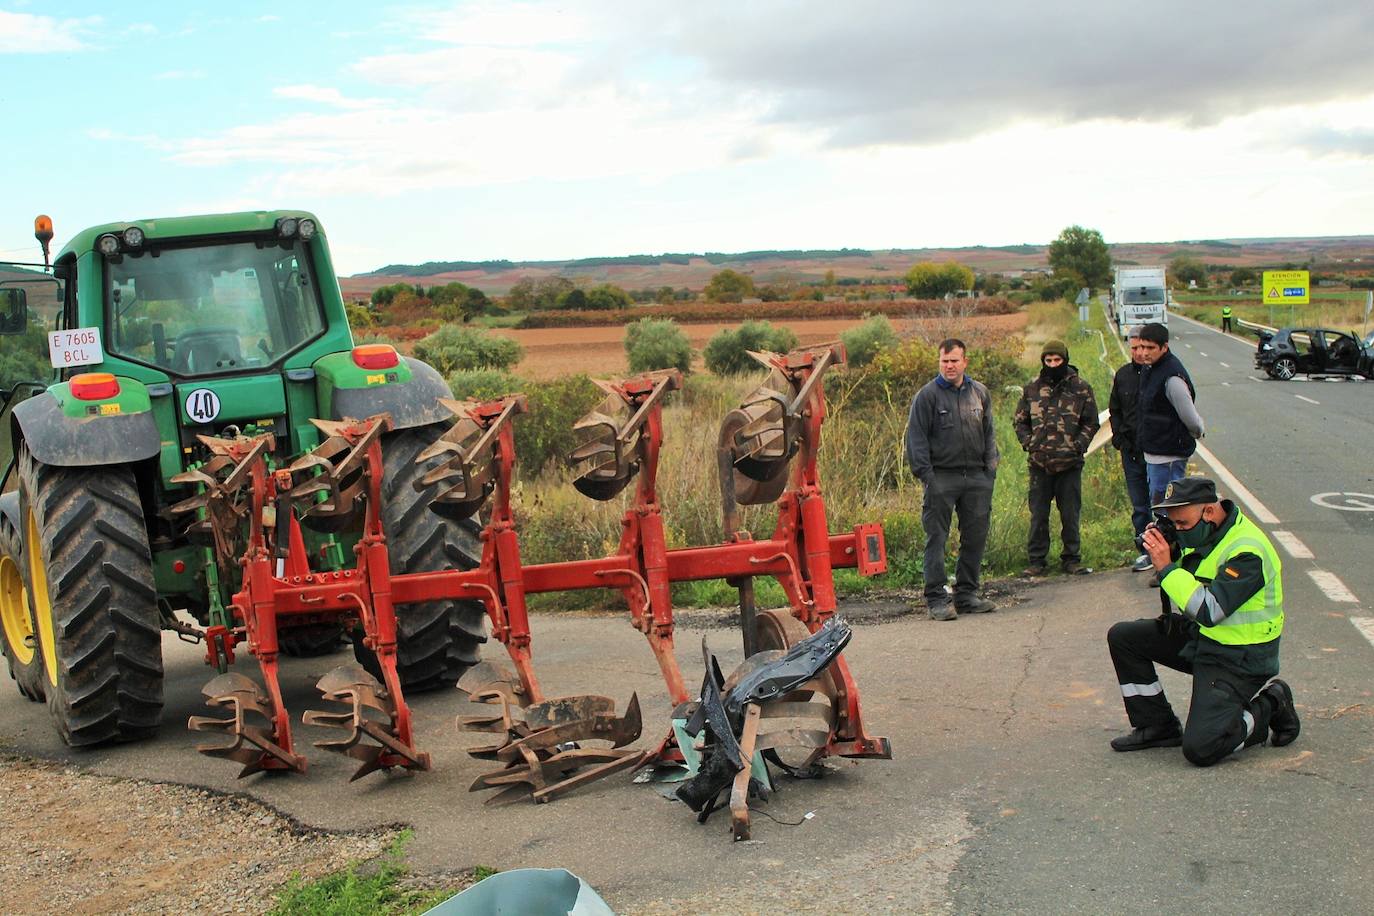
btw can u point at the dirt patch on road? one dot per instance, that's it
(79, 843)
(600, 351)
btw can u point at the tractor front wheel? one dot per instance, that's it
(17, 637)
(436, 641)
(94, 600)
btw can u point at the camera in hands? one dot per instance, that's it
(1165, 526)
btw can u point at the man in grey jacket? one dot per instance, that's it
(951, 450)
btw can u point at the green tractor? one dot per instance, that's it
(139, 339)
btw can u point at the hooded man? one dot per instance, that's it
(1056, 418)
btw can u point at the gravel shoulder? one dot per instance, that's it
(75, 842)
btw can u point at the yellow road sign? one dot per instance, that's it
(1286, 287)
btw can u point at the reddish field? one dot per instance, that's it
(600, 351)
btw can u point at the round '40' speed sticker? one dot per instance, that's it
(202, 405)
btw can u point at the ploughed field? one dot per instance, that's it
(554, 352)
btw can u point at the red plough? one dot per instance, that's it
(767, 451)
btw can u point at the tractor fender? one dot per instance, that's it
(9, 508)
(413, 402)
(58, 439)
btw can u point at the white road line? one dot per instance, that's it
(1249, 345)
(1200, 353)
(1366, 627)
(1254, 378)
(1224, 365)
(1258, 510)
(1333, 587)
(1296, 548)
(1227, 384)
(1188, 345)
(1308, 400)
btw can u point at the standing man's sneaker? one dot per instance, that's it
(1283, 721)
(1141, 563)
(1168, 735)
(1075, 568)
(1154, 580)
(974, 605)
(1033, 571)
(942, 610)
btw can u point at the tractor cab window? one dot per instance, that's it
(29, 306)
(212, 309)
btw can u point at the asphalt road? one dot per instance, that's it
(1002, 796)
(1302, 447)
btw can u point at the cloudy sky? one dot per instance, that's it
(573, 129)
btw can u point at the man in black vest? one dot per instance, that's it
(1168, 425)
(1125, 419)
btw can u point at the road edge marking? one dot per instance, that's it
(1332, 586)
(1257, 509)
(1296, 548)
(1365, 625)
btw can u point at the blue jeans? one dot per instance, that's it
(1161, 475)
(1137, 488)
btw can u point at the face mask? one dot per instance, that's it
(1197, 535)
(1054, 373)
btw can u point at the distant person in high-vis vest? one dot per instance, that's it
(1226, 318)
(1222, 591)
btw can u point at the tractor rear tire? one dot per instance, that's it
(436, 641)
(17, 637)
(94, 601)
(311, 641)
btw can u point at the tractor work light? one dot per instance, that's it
(307, 229)
(108, 245)
(376, 356)
(133, 237)
(287, 227)
(94, 386)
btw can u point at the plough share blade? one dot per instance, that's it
(354, 687)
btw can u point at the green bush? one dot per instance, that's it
(546, 433)
(652, 343)
(726, 352)
(484, 384)
(359, 316)
(896, 375)
(863, 343)
(450, 349)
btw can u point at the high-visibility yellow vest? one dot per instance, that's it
(1226, 311)
(1260, 618)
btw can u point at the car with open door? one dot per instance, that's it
(1289, 352)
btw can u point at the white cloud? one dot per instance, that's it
(505, 24)
(323, 95)
(24, 33)
(906, 125)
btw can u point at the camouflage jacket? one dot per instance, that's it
(1055, 422)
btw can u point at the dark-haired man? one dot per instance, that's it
(1167, 424)
(1124, 410)
(1222, 593)
(951, 449)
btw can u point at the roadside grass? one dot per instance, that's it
(1339, 309)
(864, 478)
(372, 888)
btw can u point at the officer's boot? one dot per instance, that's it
(1283, 721)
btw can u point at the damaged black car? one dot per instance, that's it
(1288, 352)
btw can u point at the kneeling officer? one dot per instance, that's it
(1223, 614)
